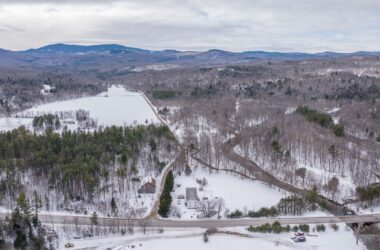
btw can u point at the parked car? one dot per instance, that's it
(299, 237)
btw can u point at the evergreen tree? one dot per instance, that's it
(94, 219)
(113, 206)
(166, 199)
(20, 224)
(312, 197)
(23, 204)
(37, 205)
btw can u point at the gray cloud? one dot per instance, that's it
(297, 25)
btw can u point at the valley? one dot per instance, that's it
(227, 146)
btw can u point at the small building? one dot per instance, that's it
(192, 200)
(136, 179)
(148, 186)
(180, 197)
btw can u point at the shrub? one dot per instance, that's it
(205, 237)
(338, 130)
(276, 227)
(335, 227)
(265, 228)
(304, 228)
(263, 212)
(268, 228)
(321, 228)
(236, 214)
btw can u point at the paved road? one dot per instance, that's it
(180, 158)
(206, 223)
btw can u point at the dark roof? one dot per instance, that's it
(191, 194)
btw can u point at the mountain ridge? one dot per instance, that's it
(77, 48)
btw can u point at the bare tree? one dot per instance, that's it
(144, 224)
(209, 208)
(220, 204)
(131, 223)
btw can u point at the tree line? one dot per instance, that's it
(325, 120)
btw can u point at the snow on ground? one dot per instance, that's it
(117, 107)
(119, 242)
(343, 238)
(10, 123)
(346, 184)
(359, 209)
(316, 213)
(189, 239)
(316, 171)
(290, 110)
(46, 89)
(217, 242)
(333, 110)
(237, 193)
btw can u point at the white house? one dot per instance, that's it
(192, 200)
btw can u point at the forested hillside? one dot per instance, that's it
(77, 170)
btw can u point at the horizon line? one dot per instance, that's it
(200, 51)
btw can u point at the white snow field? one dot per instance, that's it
(117, 106)
(238, 193)
(190, 239)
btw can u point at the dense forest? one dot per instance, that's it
(77, 165)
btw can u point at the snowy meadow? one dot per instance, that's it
(117, 106)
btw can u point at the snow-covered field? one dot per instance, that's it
(117, 107)
(237, 193)
(190, 239)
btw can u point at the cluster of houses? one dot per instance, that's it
(148, 186)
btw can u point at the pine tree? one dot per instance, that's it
(94, 219)
(166, 199)
(37, 205)
(113, 206)
(20, 224)
(23, 204)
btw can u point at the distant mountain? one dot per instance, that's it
(68, 48)
(4, 50)
(278, 55)
(116, 48)
(105, 55)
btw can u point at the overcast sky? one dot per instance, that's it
(236, 25)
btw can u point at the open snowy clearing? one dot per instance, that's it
(117, 107)
(119, 242)
(189, 239)
(237, 193)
